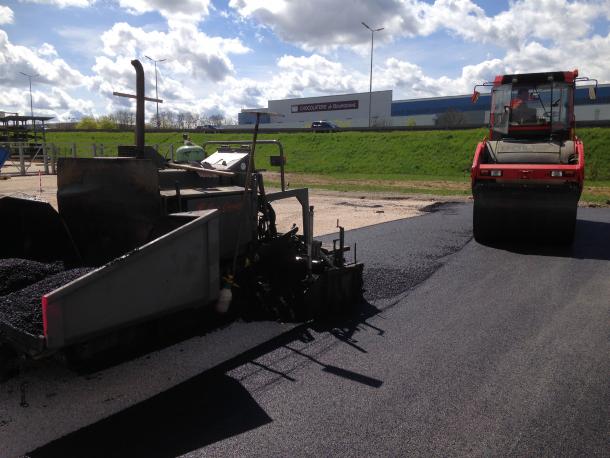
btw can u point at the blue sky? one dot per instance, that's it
(225, 55)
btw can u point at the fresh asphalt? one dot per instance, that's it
(461, 349)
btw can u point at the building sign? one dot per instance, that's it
(326, 106)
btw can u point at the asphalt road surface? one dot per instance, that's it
(461, 349)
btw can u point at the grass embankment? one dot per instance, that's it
(433, 162)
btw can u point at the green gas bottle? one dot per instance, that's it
(189, 153)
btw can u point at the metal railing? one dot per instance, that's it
(24, 156)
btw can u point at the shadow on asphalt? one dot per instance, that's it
(192, 415)
(591, 241)
(205, 409)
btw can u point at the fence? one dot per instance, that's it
(26, 156)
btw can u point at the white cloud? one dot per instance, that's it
(55, 102)
(295, 76)
(322, 25)
(410, 81)
(176, 11)
(200, 76)
(189, 51)
(63, 3)
(79, 39)
(43, 62)
(325, 25)
(6, 15)
(50, 87)
(47, 50)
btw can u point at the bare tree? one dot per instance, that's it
(167, 120)
(450, 118)
(217, 120)
(191, 120)
(124, 118)
(230, 121)
(181, 120)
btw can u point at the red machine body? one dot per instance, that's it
(528, 175)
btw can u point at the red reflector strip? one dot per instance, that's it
(484, 173)
(569, 173)
(44, 315)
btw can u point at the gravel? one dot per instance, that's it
(383, 282)
(16, 274)
(22, 309)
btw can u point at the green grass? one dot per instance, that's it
(414, 155)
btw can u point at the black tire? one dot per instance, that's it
(9, 363)
(566, 232)
(480, 225)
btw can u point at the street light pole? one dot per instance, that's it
(31, 103)
(371, 74)
(156, 86)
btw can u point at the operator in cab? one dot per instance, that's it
(521, 113)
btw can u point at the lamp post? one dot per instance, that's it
(156, 91)
(31, 103)
(371, 77)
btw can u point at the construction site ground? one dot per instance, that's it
(460, 349)
(352, 209)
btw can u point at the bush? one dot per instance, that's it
(87, 123)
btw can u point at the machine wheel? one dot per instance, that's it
(565, 235)
(481, 226)
(9, 363)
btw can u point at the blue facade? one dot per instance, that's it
(582, 96)
(441, 105)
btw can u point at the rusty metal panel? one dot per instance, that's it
(236, 222)
(110, 205)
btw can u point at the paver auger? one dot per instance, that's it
(527, 176)
(161, 240)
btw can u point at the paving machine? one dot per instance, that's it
(527, 176)
(145, 244)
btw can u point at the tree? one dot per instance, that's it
(124, 118)
(231, 121)
(107, 122)
(191, 120)
(87, 123)
(181, 119)
(217, 120)
(450, 118)
(167, 120)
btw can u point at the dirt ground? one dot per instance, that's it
(353, 210)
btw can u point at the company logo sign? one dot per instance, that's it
(327, 106)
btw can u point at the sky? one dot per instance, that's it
(225, 55)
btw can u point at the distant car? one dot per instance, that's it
(208, 128)
(324, 126)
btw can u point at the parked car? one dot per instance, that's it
(208, 128)
(324, 126)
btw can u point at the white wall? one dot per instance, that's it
(595, 112)
(414, 120)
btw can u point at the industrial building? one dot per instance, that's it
(352, 110)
